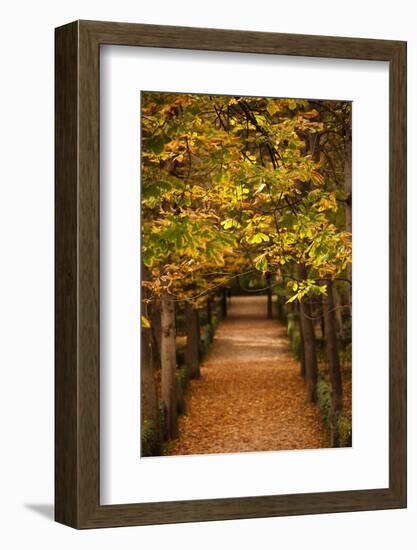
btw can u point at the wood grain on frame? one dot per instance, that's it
(77, 457)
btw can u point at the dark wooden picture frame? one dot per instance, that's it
(77, 374)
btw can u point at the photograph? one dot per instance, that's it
(246, 274)
(208, 273)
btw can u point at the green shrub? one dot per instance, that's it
(344, 428)
(296, 344)
(294, 336)
(321, 351)
(324, 399)
(346, 353)
(204, 341)
(282, 308)
(182, 377)
(290, 324)
(150, 445)
(162, 418)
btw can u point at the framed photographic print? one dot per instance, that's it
(230, 274)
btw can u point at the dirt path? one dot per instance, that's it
(250, 396)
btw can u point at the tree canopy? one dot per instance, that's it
(232, 185)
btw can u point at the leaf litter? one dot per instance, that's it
(250, 396)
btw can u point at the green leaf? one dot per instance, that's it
(227, 224)
(145, 322)
(261, 264)
(258, 238)
(155, 144)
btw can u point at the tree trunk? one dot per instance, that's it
(269, 296)
(297, 310)
(209, 319)
(168, 365)
(181, 403)
(224, 303)
(348, 180)
(334, 365)
(149, 399)
(309, 338)
(193, 341)
(154, 312)
(338, 311)
(348, 196)
(310, 357)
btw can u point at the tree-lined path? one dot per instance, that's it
(250, 395)
(244, 194)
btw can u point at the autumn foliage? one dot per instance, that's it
(238, 187)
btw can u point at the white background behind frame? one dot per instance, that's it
(125, 71)
(27, 403)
